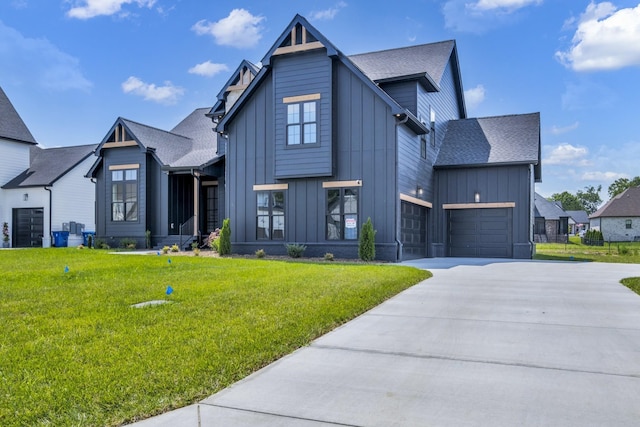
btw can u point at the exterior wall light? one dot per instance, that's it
(25, 197)
(476, 197)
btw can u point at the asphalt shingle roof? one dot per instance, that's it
(491, 140)
(547, 209)
(192, 143)
(430, 59)
(11, 125)
(580, 217)
(48, 165)
(625, 204)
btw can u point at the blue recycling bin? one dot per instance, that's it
(85, 237)
(60, 239)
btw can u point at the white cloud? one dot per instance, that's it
(28, 61)
(86, 9)
(474, 96)
(167, 94)
(605, 39)
(602, 176)
(240, 29)
(208, 69)
(482, 15)
(556, 130)
(327, 14)
(507, 5)
(566, 154)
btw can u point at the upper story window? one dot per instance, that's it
(124, 195)
(423, 147)
(432, 127)
(302, 123)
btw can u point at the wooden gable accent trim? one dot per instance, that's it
(265, 187)
(298, 48)
(119, 144)
(479, 205)
(415, 201)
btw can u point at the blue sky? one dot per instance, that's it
(71, 67)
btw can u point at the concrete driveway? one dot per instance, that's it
(482, 343)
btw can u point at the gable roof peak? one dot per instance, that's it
(11, 124)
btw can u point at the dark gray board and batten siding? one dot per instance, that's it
(305, 74)
(495, 184)
(364, 134)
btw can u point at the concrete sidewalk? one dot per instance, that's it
(482, 343)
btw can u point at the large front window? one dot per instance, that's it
(302, 125)
(124, 195)
(342, 214)
(270, 221)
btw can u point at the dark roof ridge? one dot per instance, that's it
(499, 116)
(402, 48)
(153, 128)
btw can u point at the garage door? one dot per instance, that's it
(483, 233)
(28, 227)
(413, 231)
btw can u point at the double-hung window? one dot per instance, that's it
(270, 215)
(627, 224)
(302, 123)
(342, 214)
(124, 195)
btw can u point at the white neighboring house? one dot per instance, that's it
(41, 190)
(619, 218)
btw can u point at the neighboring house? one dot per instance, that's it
(169, 184)
(551, 221)
(578, 221)
(41, 190)
(52, 195)
(619, 218)
(317, 142)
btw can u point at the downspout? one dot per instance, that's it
(397, 189)
(50, 214)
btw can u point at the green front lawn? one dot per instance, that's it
(623, 252)
(632, 283)
(74, 352)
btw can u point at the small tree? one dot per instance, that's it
(225, 238)
(367, 244)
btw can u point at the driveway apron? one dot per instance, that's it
(482, 343)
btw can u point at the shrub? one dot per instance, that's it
(175, 248)
(147, 239)
(225, 238)
(367, 244)
(196, 251)
(260, 253)
(194, 245)
(624, 251)
(213, 241)
(328, 256)
(101, 244)
(295, 250)
(128, 243)
(165, 249)
(90, 240)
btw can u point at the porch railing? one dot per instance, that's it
(186, 229)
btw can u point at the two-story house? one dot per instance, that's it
(319, 141)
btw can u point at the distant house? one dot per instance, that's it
(317, 142)
(551, 221)
(42, 190)
(578, 221)
(619, 218)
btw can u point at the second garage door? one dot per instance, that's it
(482, 233)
